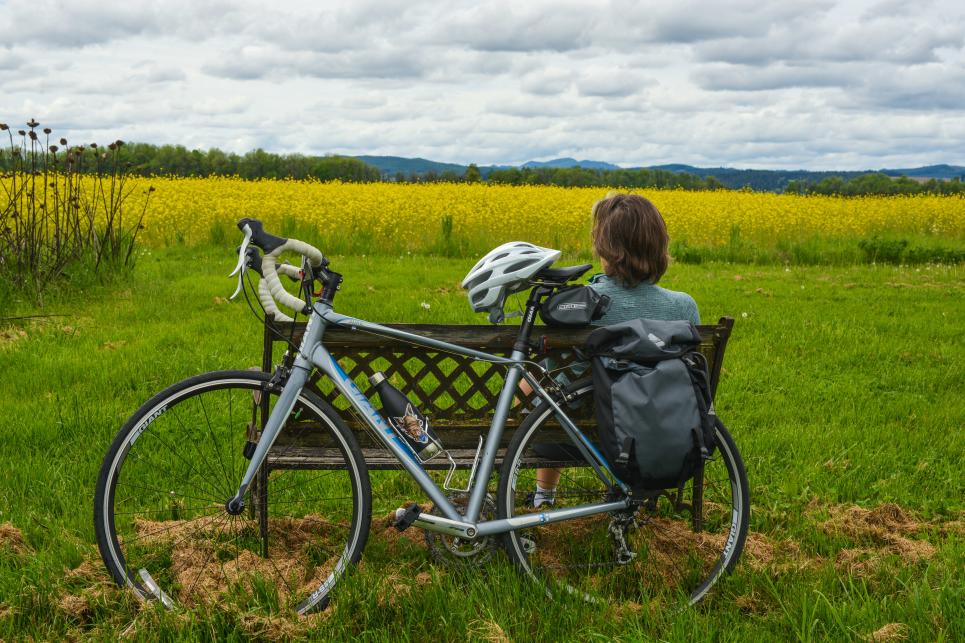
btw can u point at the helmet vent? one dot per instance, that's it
(519, 265)
(480, 278)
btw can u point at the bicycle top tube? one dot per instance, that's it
(345, 321)
(522, 344)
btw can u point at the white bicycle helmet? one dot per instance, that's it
(503, 271)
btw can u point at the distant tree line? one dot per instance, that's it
(584, 177)
(176, 160)
(146, 159)
(874, 183)
(471, 175)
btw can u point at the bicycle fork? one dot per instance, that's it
(283, 408)
(297, 378)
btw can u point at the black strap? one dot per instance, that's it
(625, 450)
(699, 439)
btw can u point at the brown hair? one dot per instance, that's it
(631, 237)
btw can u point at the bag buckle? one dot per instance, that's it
(624, 458)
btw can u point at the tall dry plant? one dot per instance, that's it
(61, 206)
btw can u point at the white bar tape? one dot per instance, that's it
(271, 308)
(264, 296)
(315, 256)
(268, 268)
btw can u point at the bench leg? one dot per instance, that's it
(697, 502)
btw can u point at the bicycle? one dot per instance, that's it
(176, 502)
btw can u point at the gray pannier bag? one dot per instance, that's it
(653, 405)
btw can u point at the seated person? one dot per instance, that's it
(630, 237)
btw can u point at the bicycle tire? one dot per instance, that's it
(159, 510)
(674, 564)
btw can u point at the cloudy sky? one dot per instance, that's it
(817, 85)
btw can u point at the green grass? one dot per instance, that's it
(842, 386)
(891, 248)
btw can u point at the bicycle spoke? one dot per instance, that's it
(213, 480)
(217, 445)
(162, 491)
(163, 469)
(204, 565)
(150, 511)
(298, 484)
(190, 466)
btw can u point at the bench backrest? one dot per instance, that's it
(456, 393)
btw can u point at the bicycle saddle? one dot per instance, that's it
(562, 275)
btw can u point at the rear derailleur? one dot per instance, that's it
(621, 524)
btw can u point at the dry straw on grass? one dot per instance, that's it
(890, 632)
(487, 630)
(204, 577)
(11, 539)
(887, 526)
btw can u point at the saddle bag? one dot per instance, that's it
(573, 307)
(653, 404)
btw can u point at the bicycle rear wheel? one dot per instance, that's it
(159, 510)
(683, 539)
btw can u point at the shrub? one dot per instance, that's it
(61, 206)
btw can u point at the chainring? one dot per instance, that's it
(453, 551)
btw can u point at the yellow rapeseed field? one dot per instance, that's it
(400, 217)
(392, 218)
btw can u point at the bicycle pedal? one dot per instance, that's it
(528, 544)
(405, 516)
(625, 557)
(249, 450)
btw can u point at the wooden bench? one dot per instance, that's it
(457, 395)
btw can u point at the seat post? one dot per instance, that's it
(529, 317)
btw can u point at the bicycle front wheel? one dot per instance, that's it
(678, 542)
(159, 511)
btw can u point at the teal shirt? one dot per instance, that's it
(645, 300)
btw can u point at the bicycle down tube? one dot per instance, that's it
(452, 522)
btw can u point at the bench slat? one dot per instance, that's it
(382, 459)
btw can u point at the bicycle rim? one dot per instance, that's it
(160, 515)
(676, 562)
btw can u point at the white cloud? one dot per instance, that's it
(847, 85)
(612, 82)
(547, 81)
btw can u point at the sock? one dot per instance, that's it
(542, 495)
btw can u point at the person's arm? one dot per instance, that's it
(690, 310)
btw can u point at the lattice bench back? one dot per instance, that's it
(457, 394)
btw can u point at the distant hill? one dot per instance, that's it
(931, 172)
(571, 162)
(389, 165)
(777, 180)
(760, 180)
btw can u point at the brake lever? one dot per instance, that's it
(253, 260)
(242, 266)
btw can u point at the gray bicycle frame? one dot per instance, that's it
(464, 525)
